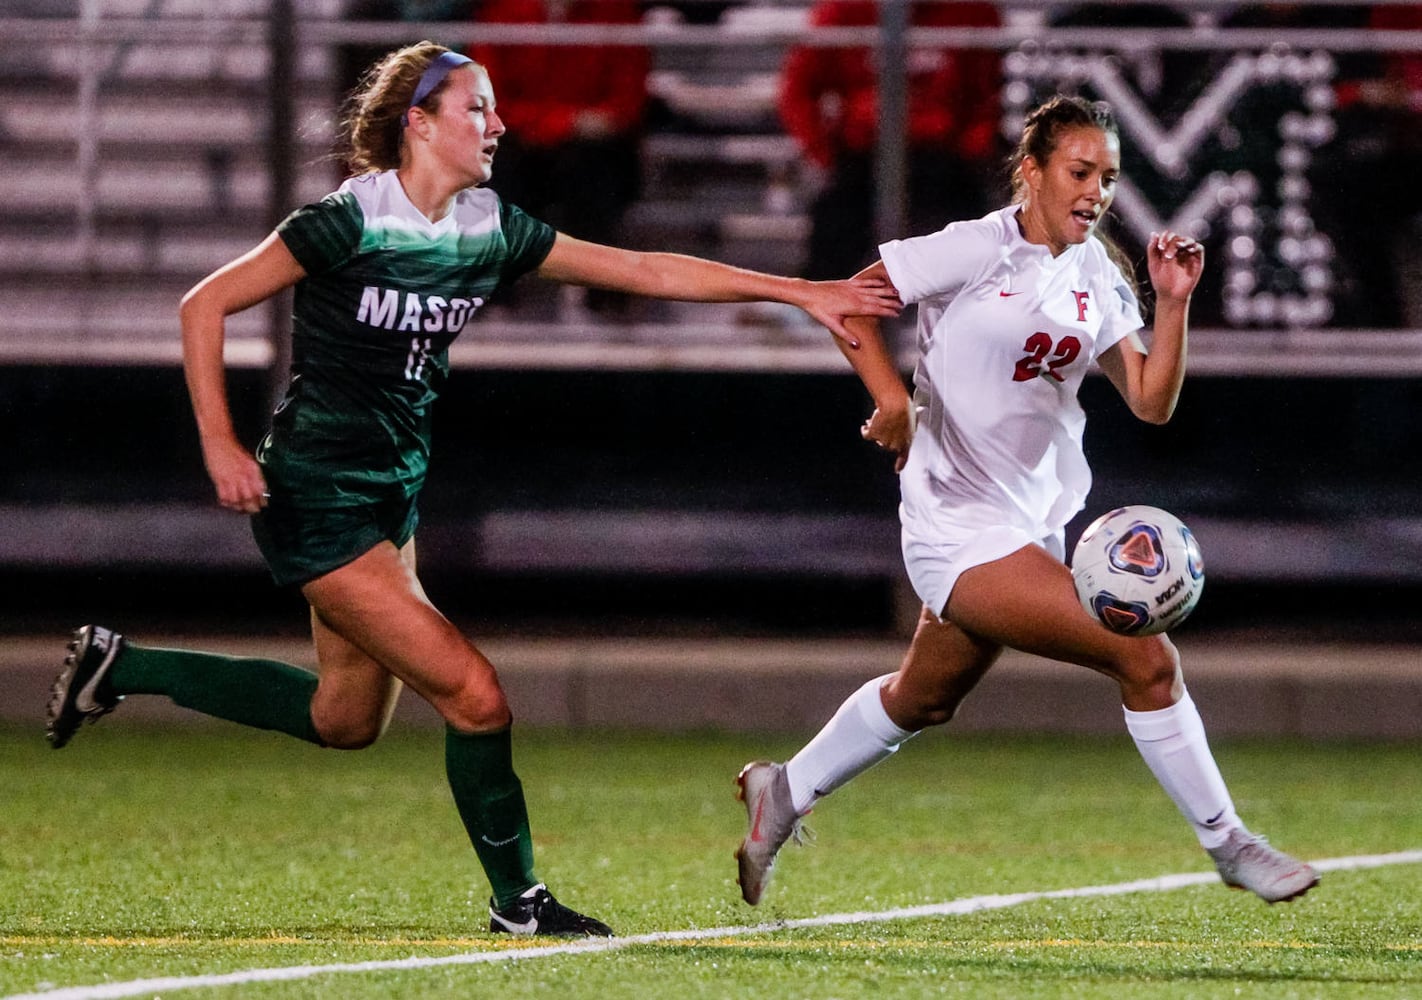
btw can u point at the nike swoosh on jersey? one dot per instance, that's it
(497, 843)
(1007, 295)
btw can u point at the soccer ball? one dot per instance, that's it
(1138, 570)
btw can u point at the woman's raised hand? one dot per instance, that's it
(1175, 263)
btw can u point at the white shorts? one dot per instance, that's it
(935, 564)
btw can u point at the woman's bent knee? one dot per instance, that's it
(475, 708)
(349, 734)
(1161, 660)
(912, 711)
(479, 721)
(926, 716)
(1152, 670)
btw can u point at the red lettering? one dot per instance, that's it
(1081, 298)
(1030, 367)
(1038, 346)
(1067, 350)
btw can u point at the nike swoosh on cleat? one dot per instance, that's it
(755, 825)
(84, 701)
(527, 927)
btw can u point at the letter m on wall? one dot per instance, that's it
(1230, 168)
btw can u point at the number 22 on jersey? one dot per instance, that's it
(1043, 358)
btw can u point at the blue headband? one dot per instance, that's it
(439, 68)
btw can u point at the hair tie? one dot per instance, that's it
(434, 74)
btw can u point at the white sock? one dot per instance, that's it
(858, 736)
(1172, 741)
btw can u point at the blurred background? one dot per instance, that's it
(606, 466)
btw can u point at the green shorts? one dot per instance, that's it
(302, 543)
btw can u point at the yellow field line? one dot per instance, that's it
(712, 936)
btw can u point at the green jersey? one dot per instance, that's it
(385, 293)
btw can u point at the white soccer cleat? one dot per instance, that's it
(773, 820)
(1246, 861)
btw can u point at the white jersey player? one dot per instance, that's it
(1012, 310)
(1006, 332)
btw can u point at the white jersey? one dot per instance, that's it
(1006, 333)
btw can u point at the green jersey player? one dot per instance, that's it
(387, 271)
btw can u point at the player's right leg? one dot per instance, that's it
(941, 666)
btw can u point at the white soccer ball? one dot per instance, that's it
(1138, 570)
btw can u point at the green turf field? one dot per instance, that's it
(138, 853)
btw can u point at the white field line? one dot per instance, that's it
(970, 904)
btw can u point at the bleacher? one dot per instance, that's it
(124, 188)
(112, 208)
(721, 172)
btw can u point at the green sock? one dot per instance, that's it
(265, 694)
(489, 798)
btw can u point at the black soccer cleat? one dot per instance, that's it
(537, 912)
(79, 694)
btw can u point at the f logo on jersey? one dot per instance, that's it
(1081, 298)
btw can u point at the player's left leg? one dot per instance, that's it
(348, 706)
(1027, 601)
(377, 605)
